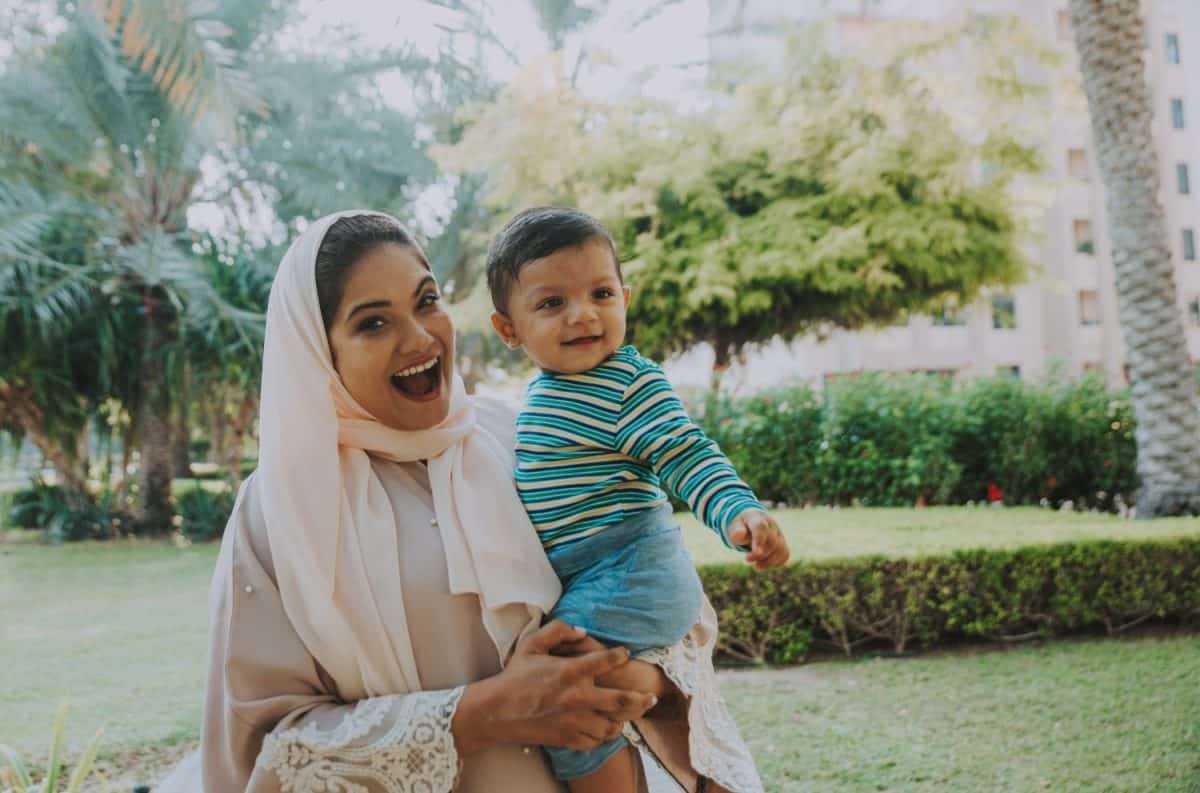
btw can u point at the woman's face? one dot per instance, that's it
(392, 343)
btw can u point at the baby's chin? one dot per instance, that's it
(569, 360)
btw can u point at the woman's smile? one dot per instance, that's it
(422, 382)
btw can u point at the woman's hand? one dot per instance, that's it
(635, 675)
(547, 699)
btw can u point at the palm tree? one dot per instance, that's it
(226, 355)
(119, 126)
(1109, 36)
(115, 116)
(53, 331)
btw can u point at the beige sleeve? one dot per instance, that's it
(272, 717)
(703, 740)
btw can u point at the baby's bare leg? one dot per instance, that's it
(618, 775)
(639, 676)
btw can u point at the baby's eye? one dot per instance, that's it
(550, 302)
(370, 324)
(603, 293)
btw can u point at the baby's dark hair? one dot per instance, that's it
(535, 234)
(347, 241)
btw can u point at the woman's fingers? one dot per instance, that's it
(622, 705)
(593, 665)
(581, 646)
(549, 636)
(586, 730)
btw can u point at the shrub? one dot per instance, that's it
(1070, 440)
(66, 516)
(885, 443)
(887, 440)
(772, 439)
(203, 513)
(981, 595)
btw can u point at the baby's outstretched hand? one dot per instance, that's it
(757, 530)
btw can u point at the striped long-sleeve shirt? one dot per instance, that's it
(596, 447)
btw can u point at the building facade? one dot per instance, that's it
(1065, 316)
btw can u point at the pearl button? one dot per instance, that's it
(249, 590)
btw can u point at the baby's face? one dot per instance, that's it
(568, 309)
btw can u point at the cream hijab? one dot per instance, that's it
(331, 525)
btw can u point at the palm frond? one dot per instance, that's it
(183, 46)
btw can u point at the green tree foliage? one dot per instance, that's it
(119, 119)
(836, 192)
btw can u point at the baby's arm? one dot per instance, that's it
(655, 429)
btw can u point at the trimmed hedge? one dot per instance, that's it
(895, 440)
(982, 595)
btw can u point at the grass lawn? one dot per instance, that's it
(824, 533)
(119, 629)
(1086, 716)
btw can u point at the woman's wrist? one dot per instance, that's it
(479, 722)
(472, 723)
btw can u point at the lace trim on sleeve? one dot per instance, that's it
(392, 744)
(715, 745)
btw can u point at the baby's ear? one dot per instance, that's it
(627, 293)
(506, 331)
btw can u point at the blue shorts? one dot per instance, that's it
(633, 585)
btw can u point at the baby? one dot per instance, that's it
(601, 433)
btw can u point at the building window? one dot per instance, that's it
(1082, 231)
(948, 318)
(1177, 113)
(1077, 164)
(1189, 245)
(1004, 312)
(944, 374)
(1064, 25)
(1193, 312)
(1089, 307)
(1172, 48)
(1181, 176)
(1013, 372)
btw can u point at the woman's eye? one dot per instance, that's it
(428, 299)
(370, 324)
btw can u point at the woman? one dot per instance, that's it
(378, 568)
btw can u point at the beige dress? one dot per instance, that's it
(274, 721)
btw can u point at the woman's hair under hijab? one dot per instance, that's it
(534, 234)
(347, 241)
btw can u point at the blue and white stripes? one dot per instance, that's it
(596, 447)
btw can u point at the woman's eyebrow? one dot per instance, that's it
(365, 306)
(429, 279)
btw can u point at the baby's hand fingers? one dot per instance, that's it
(739, 533)
(774, 546)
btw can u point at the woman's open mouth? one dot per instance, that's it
(422, 382)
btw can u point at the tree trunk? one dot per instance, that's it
(18, 407)
(216, 433)
(239, 429)
(154, 471)
(181, 432)
(154, 431)
(1109, 35)
(721, 360)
